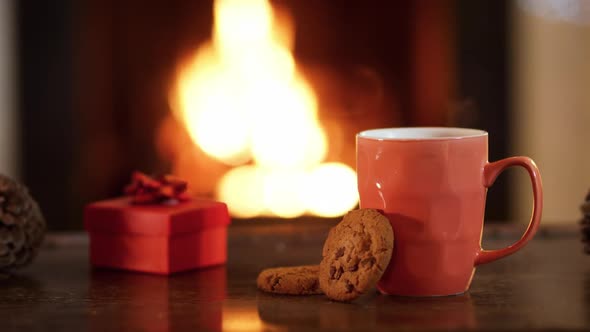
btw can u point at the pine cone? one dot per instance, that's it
(22, 225)
(586, 223)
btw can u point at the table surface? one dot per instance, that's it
(544, 286)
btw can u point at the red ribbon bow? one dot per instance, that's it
(146, 190)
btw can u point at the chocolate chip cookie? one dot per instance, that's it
(355, 254)
(295, 280)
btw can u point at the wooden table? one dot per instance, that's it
(547, 285)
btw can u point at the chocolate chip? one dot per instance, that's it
(339, 252)
(354, 267)
(275, 283)
(368, 263)
(349, 287)
(332, 271)
(338, 273)
(315, 285)
(366, 245)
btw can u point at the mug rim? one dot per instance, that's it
(420, 133)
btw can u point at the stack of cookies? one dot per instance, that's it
(355, 256)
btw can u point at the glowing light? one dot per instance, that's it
(242, 99)
(236, 318)
(331, 190)
(240, 24)
(282, 193)
(242, 189)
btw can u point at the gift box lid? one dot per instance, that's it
(119, 215)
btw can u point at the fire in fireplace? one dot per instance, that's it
(254, 116)
(360, 65)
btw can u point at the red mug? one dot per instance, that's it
(431, 183)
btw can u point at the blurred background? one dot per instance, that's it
(91, 90)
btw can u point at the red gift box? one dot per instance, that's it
(157, 238)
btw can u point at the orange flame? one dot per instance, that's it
(243, 100)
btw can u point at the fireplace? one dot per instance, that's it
(243, 117)
(245, 103)
(254, 102)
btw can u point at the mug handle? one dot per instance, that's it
(491, 172)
